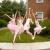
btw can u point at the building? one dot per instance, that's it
(40, 7)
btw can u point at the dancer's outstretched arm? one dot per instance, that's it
(8, 16)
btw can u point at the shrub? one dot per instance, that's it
(3, 23)
(43, 24)
(47, 24)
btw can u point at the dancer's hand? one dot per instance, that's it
(5, 14)
(29, 8)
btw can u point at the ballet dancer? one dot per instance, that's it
(12, 26)
(38, 27)
(20, 24)
(27, 24)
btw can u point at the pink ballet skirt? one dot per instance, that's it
(12, 26)
(21, 28)
(38, 29)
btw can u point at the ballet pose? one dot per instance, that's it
(38, 27)
(20, 25)
(27, 24)
(12, 26)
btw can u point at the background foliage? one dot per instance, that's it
(8, 7)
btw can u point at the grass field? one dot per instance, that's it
(7, 36)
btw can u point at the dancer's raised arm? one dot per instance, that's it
(8, 16)
(29, 12)
(33, 15)
(25, 15)
(15, 14)
(19, 14)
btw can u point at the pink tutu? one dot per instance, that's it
(38, 29)
(20, 26)
(12, 26)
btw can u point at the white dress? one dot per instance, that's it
(27, 24)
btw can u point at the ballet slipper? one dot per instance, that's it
(33, 38)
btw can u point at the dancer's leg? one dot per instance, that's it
(15, 36)
(36, 30)
(30, 33)
(19, 34)
(34, 34)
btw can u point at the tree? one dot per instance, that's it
(22, 8)
(9, 7)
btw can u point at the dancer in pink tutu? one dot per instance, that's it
(20, 27)
(20, 24)
(12, 26)
(38, 27)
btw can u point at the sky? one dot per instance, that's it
(16, 0)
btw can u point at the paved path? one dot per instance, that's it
(25, 46)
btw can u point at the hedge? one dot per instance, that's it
(3, 23)
(43, 24)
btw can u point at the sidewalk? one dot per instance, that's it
(25, 46)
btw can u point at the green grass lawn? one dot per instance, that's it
(7, 36)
